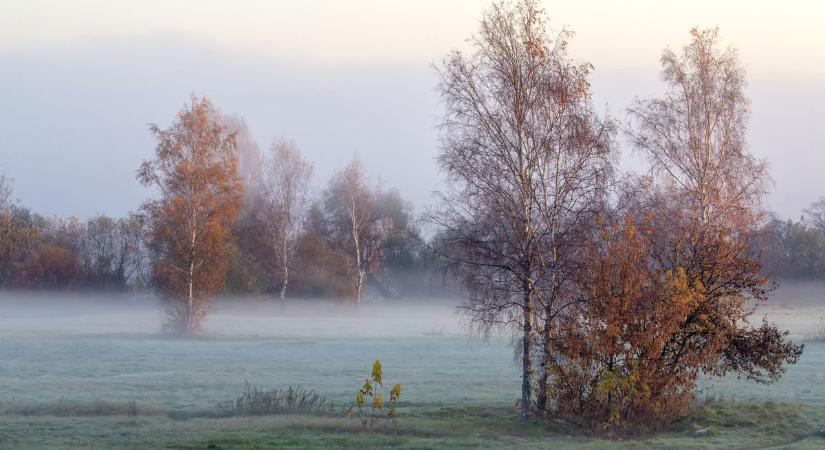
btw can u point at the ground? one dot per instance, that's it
(98, 374)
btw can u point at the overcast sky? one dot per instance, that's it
(81, 80)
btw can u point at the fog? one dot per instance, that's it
(65, 354)
(90, 348)
(26, 313)
(795, 306)
(110, 90)
(81, 84)
(97, 347)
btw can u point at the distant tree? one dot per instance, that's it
(106, 256)
(249, 156)
(793, 250)
(815, 214)
(322, 266)
(246, 266)
(527, 160)
(284, 206)
(53, 267)
(135, 230)
(195, 170)
(7, 231)
(403, 248)
(115, 253)
(5, 193)
(21, 236)
(353, 223)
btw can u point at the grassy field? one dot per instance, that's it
(99, 375)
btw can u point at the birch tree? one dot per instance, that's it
(286, 195)
(354, 222)
(195, 171)
(526, 158)
(694, 135)
(5, 193)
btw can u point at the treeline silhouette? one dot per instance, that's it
(105, 253)
(795, 249)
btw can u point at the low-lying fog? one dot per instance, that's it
(89, 348)
(263, 317)
(794, 306)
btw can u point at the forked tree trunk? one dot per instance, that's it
(544, 377)
(359, 286)
(190, 300)
(547, 360)
(526, 362)
(285, 272)
(359, 270)
(284, 283)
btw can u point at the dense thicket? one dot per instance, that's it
(793, 249)
(37, 252)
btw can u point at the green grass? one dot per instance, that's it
(730, 425)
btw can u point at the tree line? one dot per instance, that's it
(795, 249)
(39, 252)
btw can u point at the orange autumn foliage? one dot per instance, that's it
(628, 357)
(618, 377)
(196, 171)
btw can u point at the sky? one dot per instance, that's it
(80, 82)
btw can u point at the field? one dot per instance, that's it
(98, 374)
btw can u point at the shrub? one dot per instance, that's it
(258, 402)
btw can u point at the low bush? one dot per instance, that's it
(258, 402)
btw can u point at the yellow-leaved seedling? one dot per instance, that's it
(375, 414)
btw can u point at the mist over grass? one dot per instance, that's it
(99, 356)
(230, 317)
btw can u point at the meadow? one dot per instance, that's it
(97, 373)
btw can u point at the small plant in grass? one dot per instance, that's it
(258, 402)
(370, 409)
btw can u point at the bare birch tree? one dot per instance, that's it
(285, 200)
(526, 158)
(355, 223)
(694, 135)
(815, 214)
